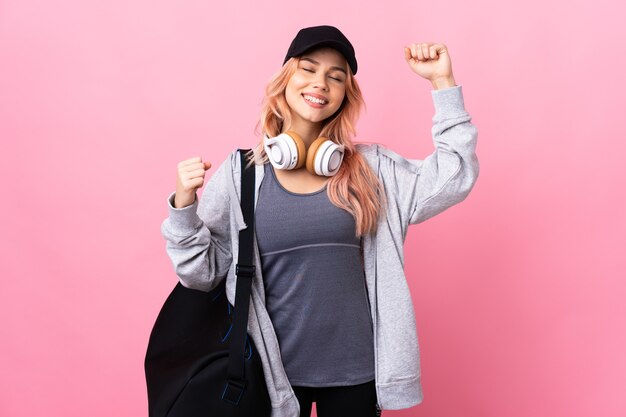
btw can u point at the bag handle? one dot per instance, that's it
(236, 381)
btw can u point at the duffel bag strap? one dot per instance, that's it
(236, 382)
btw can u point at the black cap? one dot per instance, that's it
(319, 36)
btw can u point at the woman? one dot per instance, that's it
(331, 313)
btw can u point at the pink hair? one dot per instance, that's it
(355, 187)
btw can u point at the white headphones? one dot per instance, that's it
(288, 151)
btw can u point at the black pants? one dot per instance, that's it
(353, 400)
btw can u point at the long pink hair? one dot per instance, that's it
(355, 187)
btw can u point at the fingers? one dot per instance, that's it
(189, 161)
(193, 173)
(422, 51)
(432, 49)
(191, 164)
(190, 177)
(417, 51)
(407, 53)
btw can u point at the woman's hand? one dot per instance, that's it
(189, 178)
(431, 61)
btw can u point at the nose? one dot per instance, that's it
(320, 81)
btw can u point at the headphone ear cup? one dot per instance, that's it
(300, 146)
(324, 157)
(285, 151)
(312, 154)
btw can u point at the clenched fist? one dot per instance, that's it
(430, 61)
(189, 179)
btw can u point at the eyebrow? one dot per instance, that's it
(315, 62)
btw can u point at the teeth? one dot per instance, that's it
(314, 100)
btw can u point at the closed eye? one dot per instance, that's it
(337, 79)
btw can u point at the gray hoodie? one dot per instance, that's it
(202, 243)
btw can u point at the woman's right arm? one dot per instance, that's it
(198, 235)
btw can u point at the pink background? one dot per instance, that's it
(519, 290)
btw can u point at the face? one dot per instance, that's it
(321, 73)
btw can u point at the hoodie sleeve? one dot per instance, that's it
(427, 187)
(198, 236)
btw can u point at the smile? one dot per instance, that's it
(314, 102)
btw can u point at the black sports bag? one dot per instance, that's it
(200, 361)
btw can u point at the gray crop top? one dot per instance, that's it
(314, 285)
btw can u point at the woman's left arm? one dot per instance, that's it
(445, 177)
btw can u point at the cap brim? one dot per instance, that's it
(329, 43)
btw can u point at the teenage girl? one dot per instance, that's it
(311, 213)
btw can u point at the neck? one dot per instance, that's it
(308, 132)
